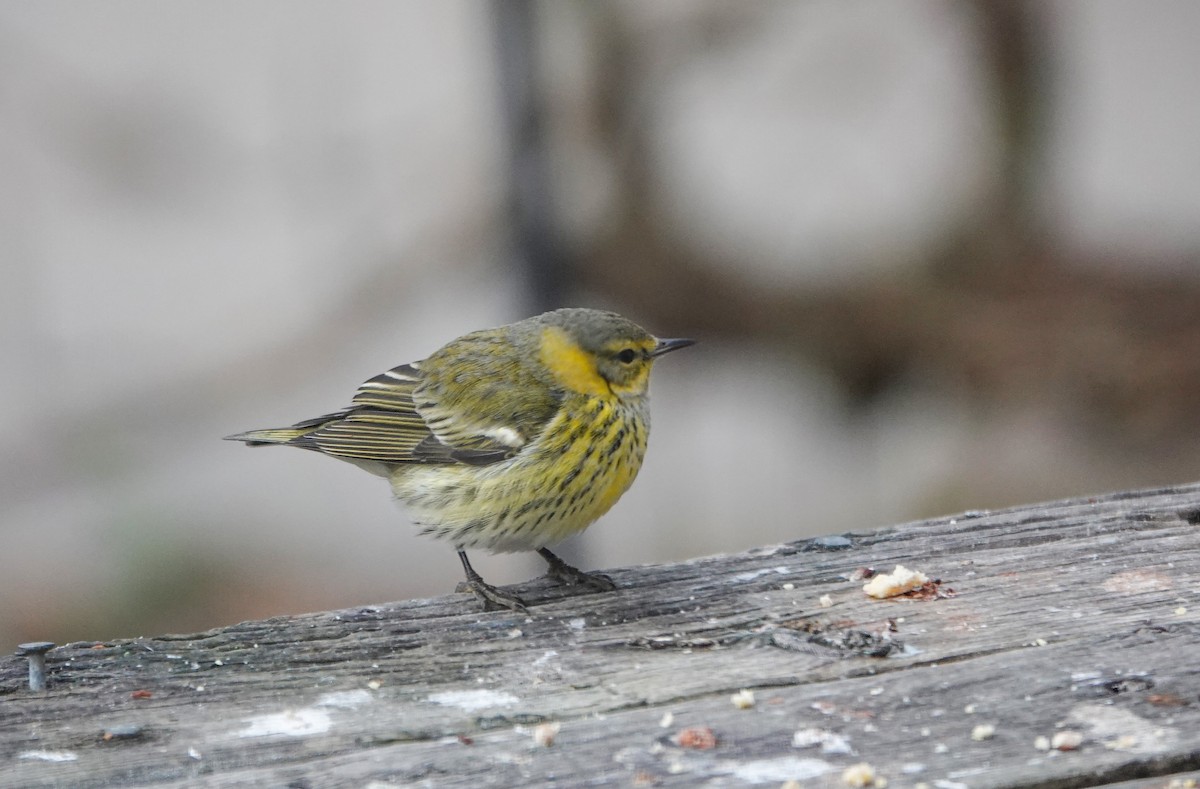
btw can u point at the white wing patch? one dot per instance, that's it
(399, 375)
(506, 436)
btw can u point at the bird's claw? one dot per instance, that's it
(492, 598)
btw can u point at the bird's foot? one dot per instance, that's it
(573, 576)
(492, 598)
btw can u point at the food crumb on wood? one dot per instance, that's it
(700, 738)
(743, 699)
(862, 574)
(862, 775)
(896, 582)
(1066, 741)
(544, 734)
(984, 731)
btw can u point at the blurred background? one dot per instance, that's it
(939, 255)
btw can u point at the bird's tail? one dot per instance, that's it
(272, 435)
(283, 435)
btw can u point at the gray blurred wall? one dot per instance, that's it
(220, 216)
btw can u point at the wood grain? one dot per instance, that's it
(1078, 616)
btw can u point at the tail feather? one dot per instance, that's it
(275, 435)
(286, 434)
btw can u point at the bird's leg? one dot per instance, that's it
(573, 576)
(491, 597)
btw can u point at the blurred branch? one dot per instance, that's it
(535, 240)
(1011, 56)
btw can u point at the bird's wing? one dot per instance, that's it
(482, 400)
(383, 425)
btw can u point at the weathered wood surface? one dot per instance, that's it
(1082, 615)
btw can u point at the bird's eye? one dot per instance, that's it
(627, 356)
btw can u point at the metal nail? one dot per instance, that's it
(36, 652)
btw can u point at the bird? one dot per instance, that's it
(506, 439)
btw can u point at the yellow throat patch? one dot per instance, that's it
(572, 366)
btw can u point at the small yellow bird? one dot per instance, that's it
(507, 439)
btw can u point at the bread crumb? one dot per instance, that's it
(860, 775)
(1066, 741)
(896, 582)
(743, 699)
(544, 733)
(984, 731)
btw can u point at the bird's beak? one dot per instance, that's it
(666, 346)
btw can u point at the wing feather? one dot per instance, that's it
(475, 402)
(384, 425)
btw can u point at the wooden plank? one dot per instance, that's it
(1076, 616)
